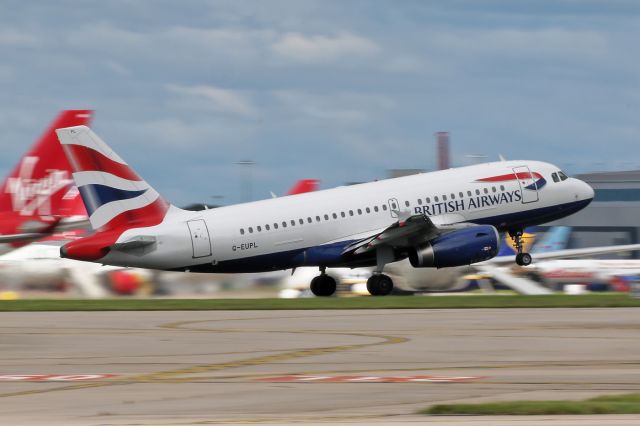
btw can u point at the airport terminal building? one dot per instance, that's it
(614, 215)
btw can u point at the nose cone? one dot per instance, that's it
(585, 191)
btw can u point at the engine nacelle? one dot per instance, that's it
(457, 248)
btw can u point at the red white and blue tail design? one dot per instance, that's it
(115, 197)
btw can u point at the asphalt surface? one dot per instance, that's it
(188, 368)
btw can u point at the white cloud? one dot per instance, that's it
(220, 100)
(320, 49)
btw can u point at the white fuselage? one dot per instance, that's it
(274, 233)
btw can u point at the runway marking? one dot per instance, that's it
(368, 379)
(53, 377)
(177, 375)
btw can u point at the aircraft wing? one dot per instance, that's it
(407, 231)
(566, 254)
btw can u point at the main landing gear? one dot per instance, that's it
(522, 259)
(323, 285)
(379, 285)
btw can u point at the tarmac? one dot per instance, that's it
(317, 367)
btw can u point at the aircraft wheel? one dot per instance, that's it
(523, 259)
(379, 285)
(323, 286)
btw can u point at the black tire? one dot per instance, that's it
(379, 285)
(323, 286)
(523, 259)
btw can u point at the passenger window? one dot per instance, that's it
(259, 228)
(317, 218)
(326, 217)
(428, 200)
(368, 210)
(501, 187)
(375, 209)
(284, 224)
(444, 197)
(250, 230)
(406, 203)
(241, 231)
(301, 222)
(335, 216)
(477, 192)
(461, 194)
(419, 201)
(350, 212)
(486, 191)
(267, 227)
(436, 199)
(342, 214)
(453, 196)
(293, 222)
(384, 207)
(309, 220)
(469, 194)
(359, 211)
(493, 189)
(275, 226)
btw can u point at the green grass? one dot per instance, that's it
(389, 302)
(616, 404)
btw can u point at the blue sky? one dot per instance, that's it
(335, 90)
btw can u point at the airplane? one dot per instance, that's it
(439, 219)
(38, 198)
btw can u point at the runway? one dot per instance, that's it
(338, 367)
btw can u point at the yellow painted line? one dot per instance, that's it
(176, 375)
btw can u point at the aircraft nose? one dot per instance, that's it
(584, 191)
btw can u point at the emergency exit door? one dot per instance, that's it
(199, 238)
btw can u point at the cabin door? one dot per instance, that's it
(199, 238)
(528, 184)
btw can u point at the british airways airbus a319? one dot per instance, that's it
(440, 219)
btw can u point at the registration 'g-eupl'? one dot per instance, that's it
(439, 219)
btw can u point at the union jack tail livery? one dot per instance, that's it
(115, 197)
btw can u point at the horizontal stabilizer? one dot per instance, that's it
(134, 243)
(21, 238)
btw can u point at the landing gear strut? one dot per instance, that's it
(522, 259)
(380, 284)
(323, 285)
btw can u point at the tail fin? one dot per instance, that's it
(304, 185)
(40, 184)
(114, 195)
(556, 238)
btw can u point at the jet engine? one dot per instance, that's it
(457, 248)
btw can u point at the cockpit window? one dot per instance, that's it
(562, 176)
(555, 177)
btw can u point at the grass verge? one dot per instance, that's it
(389, 302)
(616, 404)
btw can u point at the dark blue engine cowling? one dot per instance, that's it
(457, 248)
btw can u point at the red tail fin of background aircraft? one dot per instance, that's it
(304, 185)
(40, 183)
(39, 192)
